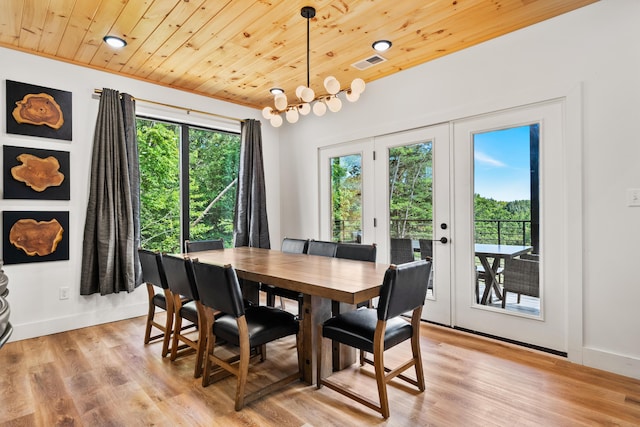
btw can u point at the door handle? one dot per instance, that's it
(441, 240)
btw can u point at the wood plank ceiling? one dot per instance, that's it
(236, 50)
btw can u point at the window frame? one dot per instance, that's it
(184, 158)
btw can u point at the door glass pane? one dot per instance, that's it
(159, 155)
(213, 177)
(346, 198)
(506, 219)
(411, 203)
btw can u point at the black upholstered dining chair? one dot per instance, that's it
(401, 251)
(322, 248)
(159, 297)
(376, 330)
(224, 316)
(290, 246)
(185, 297)
(357, 251)
(203, 245)
(426, 252)
(294, 246)
(426, 249)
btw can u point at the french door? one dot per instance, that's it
(427, 186)
(486, 167)
(412, 204)
(401, 195)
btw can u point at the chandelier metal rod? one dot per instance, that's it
(308, 50)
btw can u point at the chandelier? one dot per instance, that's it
(306, 97)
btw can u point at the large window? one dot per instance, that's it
(188, 182)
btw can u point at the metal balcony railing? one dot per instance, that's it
(489, 231)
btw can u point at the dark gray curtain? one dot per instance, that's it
(251, 227)
(110, 261)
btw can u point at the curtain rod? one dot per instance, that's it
(188, 110)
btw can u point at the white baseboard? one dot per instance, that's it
(75, 321)
(607, 361)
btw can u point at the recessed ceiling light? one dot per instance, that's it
(381, 45)
(114, 41)
(276, 90)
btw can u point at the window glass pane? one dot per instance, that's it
(346, 198)
(410, 201)
(213, 173)
(506, 218)
(159, 153)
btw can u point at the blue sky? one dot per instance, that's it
(501, 164)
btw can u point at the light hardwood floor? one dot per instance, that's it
(105, 376)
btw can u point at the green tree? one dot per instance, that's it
(510, 215)
(346, 196)
(410, 190)
(158, 150)
(213, 163)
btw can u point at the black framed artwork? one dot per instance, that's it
(38, 111)
(35, 236)
(32, 173)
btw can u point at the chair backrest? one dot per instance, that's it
(522, 276)
(152, 271)
(218, 288)
(533, 257)
(203, 245)
(401, 251)
(294, 246)
(404, 288)
(318, 247)
(177, 272)
(357, 251)
(426, 248)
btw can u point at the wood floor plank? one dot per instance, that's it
(105, 375)
(14, 383)
(54, 405)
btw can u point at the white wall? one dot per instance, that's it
(35, 306)
(596, 47)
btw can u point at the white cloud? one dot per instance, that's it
(488, 160)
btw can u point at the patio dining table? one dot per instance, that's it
(496, 253)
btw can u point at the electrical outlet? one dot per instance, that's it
(633, 196)
(64, 293)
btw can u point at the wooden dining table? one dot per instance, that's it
(320, 279)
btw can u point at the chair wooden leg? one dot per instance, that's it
(177, 328)
(150, 314)
(415, 348)
(168, 328)
(209, 346)
(243, 366)
(203, 334)
(504, 298)
(263, 352)
(378, 363)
